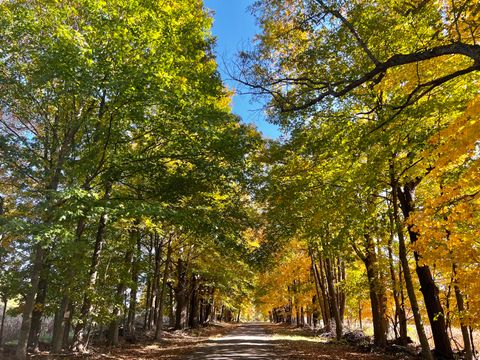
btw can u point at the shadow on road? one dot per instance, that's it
(245, 342)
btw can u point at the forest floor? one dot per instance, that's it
(231, 341)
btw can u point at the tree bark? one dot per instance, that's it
(467, 346)
(320, 296)
(153, 314)
(133, 290)
(325, 296)
(180, 295)
(59, 325)
(60, 320)
(377, 293)
(2, 325)
(341, 297)
(113, 332)
(428, 288)
(192, 316)
(148, 297)
(333, 300)
(399, 308)
(426, 353)
(37, 313)
(68, 325)
(161, 296)
(38, 263)
(79, 338)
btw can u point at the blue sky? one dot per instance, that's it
(235, 27)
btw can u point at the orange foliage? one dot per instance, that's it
(292, 267)
(449, 220)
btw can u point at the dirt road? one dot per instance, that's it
(248, 341)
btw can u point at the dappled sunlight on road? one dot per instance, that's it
(246, 342)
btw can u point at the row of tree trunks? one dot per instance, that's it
(400, 320)
(329, 301)
(334, 306)
(55, 155)
(134, 288)
(153, 281)
(161, 295)
(80, 336)
(327, 273)
(33, 337)
(426, 353)
(62, 315)
(378, 299)
(113, 331)
(189, 302)
(38, 265)
(323, 297)
(181, 295)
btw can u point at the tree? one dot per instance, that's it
(115, 116)
(325, 49)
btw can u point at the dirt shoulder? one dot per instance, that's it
(175, 345)
(303, 344)
(288, 342)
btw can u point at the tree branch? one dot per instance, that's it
(471, 51)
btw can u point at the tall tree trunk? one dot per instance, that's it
(2, 325)
(402, 249)
(59, 325)
(341, 298)
(161, 296)
(147, 304)
(58, 156)
(325, 296)
(192, 316)
(377, 293)
(399, 309)
(68, 325)
(360, 314)
(400, 289)
(428, 287)
(153, 316)
(316, 277)
(297, 314)
(222, 311)
(113, 331)
(180, 295)
(60, 319)
(467, 346)
(133, 290)
(209, 308)
(38, 264)
(148, 296)
(171, 307)
(79, 337)
(333, 300)
(37, 313)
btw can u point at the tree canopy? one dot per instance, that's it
(131, 194)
